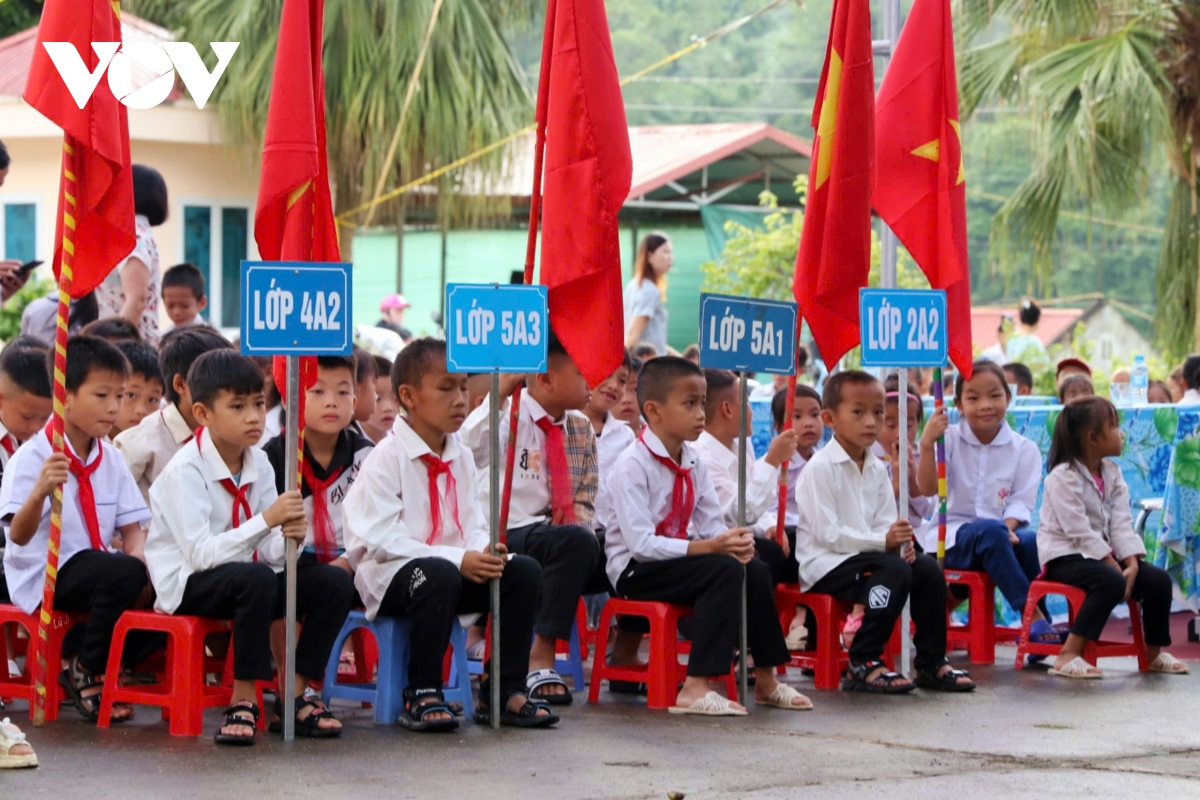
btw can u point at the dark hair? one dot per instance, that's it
(383, 367)
(85, 355)
(1191, 372)
(982, 365)
(340, 362)
(149, 194)
(1022, 374)
(779, 402)
(143, 360)
(1030, 312)
(626, 362)
(641, 261)
(635, 365)
(692, 351)
(1084, 416)
(832, 396)
(25, 342)
(366, 366)
(4, 159)
(718, 380)
(892, 385)
(83, 311)
(415, 361)
(1071, 379)
(223, 370)
(658, 378)
(187, 276)
(180, 348)
(25, 365)
(645, 351)
(114, 329)
(801, 358)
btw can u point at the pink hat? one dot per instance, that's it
(393, 301)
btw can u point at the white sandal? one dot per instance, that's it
(782, 697)
(10, 737)
(1077, 669)
(711, 705)
(1169, 665)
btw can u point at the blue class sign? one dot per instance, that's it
(496, 327)
(740, 333)
(902, 327)
(296, 308)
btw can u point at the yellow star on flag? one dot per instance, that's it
(932, 150)
(826, 125)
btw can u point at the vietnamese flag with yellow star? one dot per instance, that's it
(921, 182)
(835, 241)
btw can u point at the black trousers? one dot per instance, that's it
(324, 596)
(712, 585)
(572, 562)
(1105, 589)
(882, 582)
(249, 594)
(431, 592)
(784, 567)
(106, 585)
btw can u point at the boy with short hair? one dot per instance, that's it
(852, 544)
(667, 541)
(218, 554)
(384, 416)
(418, 540)
(100, 499)
(553, 500)
(1021, 376)
(149, 446)
(143, 389)
(183, 295)
(364, 390)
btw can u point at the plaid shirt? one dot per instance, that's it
(580, 443)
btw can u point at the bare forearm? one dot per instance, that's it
(634, 334)
(25, 522)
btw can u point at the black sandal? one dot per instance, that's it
(529, 716)
(419, 704)
(948, 682)
(74, 680)
(886, 682)
(309, 726)
(235, 716)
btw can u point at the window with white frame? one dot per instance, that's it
(19, 219)
(216, 237)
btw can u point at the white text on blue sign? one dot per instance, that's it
(496, 328)
(296, 308)
(740, 333)
(903, 328)
(517, 328)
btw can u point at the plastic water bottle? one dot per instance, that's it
(1139, 380)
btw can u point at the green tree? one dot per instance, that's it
(18, 15)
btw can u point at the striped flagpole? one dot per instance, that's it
(41, 670)
(940, 457)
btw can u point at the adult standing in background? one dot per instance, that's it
(131, 290)
(392, 308)
(645, 314)
(1026, 347)
(10, 281)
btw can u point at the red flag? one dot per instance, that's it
(588, 170)
(294, 219)
(98, 137)
(921, 192)
(835, 242)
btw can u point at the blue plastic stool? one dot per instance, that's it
(571, 666)
(387, 694)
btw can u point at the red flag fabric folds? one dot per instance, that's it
(588, 170)
(835, 243)
(921, 188)
(98, 137)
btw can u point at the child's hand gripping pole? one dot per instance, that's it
(788, 423)
(940, 458)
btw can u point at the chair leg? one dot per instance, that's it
(598, 656)
(112, 674)
(1139, 639)
(187, 682)
(335, 657)
(1026, 624)
(664, 663)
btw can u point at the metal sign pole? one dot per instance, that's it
(744, 684)
(292, 468)
(494, 477)
(902, 467)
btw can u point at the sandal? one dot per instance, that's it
(628, 687)
(529, 716)
(11, 737)
(711, 705)
(420, 703)
(235, 716)
(1042, 632)
(783, 697)
(309, 726)
(541, 678)
(948, 681)
(1169, 664)
(1077, 669)
(886, 682)
(75, 680)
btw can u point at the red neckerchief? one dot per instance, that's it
(683, 497)
(324, 533)
(9, 443)
(238, 493)
(562, 495)
(87, 496)
(437, 467)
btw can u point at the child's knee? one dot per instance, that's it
(758, 573)
(129, 574)
(993, 532)
(578, 544)
(1111, 588)
(1155, 581)
(524, 573)
(337, 587)
(431, 576)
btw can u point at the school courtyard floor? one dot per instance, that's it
(1022, 734)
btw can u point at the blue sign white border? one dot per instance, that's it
(705, 297)
(905, 360)
(341, 268)
(448, 323)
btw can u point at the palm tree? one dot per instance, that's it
(471, 90)
(1113, 89)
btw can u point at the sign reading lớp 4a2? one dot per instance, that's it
(296, 308)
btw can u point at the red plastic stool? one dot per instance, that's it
(1094, 650)
(21, 688)
(182, 694)
(587, 636)
(828, 660)
(979, 636)
(663, 673)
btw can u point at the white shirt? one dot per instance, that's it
(610, 443)
(192, 529)
(274, 425)
(919, 506)
(197, 320)
(151, 444)
(985, 481)
(1191, 397)
(4, 456)
(995, 354)
(645, 300)
(766, 524)
(762, 480)
(388, 520)
(843, 511)
(118, 503)
(641, 498)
